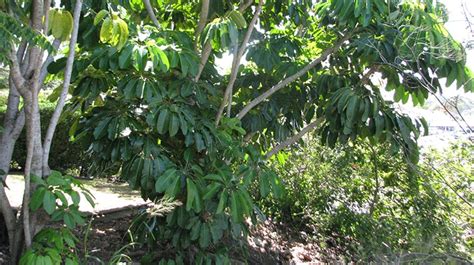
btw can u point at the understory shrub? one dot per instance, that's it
(375, 204)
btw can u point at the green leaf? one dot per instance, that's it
(125, 57)
(60, 195)
(192, 196)
(89, 197)
(174, 125)
(139, 58)
(57, 66)
(75, 197)
(163, 181)
(199, 142)
(162, 124)
(49, 202)
(77, 217)
(69, 262)
(379, 125)
(352, 109)
(69, 220)
(55, 179)
(212, 189)
(235, 210)
(183, 124)
(100, 15)
(194, 234)
(37, 198)
(106, 31)
(222, 202)
(204, 236)
(425, 126)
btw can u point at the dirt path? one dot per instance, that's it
(109, 197)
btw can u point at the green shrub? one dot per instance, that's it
(376, 205)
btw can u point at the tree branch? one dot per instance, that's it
(294, 138)
(47, 5)
(15, 72)
(245, 5)
(206, 51)
(236, 63)
(292, 78)
(202, 21)
(62, 98)
(151, 13)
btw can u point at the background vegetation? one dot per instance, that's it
(377, 206)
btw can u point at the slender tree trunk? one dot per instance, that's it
(48, 139)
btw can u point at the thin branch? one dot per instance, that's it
(446, 182)
(67, 80)
(236, 62)
(48, 61)
(292, 78)
(449, 112)
(15, 71)
(202, 21)
(229, 90)
(294, 138)
(245, 5)
(206, 51)
(151, 13)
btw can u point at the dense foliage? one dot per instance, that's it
(147, 108)
(155, 106)
(357, 199)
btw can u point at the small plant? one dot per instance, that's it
(59, 196)
(52, 246)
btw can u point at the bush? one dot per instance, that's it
(65, 155)
(374, 204)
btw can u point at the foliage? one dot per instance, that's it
(149, 112)
(52, 190)
(14, 31)
(375, 204)
(52, 246)
(59, 196)
(60, 23)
